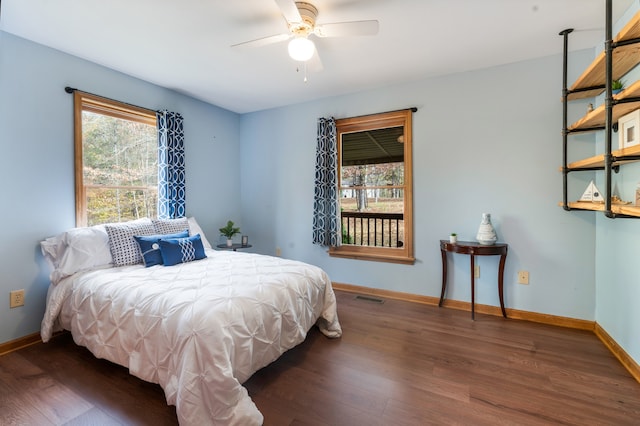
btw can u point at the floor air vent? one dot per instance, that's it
(369, 299)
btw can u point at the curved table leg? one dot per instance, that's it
(503, 259)
(444, 275)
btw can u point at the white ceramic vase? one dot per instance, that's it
(486, 234)
(229, 242)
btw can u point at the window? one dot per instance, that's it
(116, 161)
(375, 187)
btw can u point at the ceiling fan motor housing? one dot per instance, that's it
(308, 13)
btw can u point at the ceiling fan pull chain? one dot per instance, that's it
(304, 64)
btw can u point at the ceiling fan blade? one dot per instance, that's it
(263, 41)
(315, 63)
(312, 66)
(342, 29)
(289, 10)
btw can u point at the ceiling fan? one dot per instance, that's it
(301, 21)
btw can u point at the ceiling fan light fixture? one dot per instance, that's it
(301, 49)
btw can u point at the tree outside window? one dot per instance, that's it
(116, 161)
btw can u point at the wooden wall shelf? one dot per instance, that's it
(623, 209)
(598, 160)
(624, 59)
(619, 57)
(596, 118)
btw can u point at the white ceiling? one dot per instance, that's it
(185, 45)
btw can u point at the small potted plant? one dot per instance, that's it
(229, 231)
(453, 238)
(617, 86)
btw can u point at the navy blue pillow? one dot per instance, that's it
(151, 250)
(181, 250)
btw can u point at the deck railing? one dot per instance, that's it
(372, 229)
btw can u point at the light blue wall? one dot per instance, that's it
(36, 168)
(484, 141)
(618, 250)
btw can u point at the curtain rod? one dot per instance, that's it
(72, 89)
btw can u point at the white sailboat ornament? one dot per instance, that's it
(592, 193)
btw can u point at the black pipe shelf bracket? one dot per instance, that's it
(626, 42)
(583, 169)
(585, 130)
(585, 89)
(565, 100)
(625, 100)
(626, 158)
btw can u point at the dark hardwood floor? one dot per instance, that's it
(398, 363)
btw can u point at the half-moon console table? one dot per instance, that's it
(474, 249)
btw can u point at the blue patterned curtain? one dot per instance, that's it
(171, 187)
(326, 221)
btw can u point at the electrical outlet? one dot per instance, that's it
(16, 298)
(476, 271)
(523, 277)
(278, 252)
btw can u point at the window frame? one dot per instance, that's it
(88, 102)
(404, 254)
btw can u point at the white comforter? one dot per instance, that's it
(199, 329)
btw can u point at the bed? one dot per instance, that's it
(198, 328)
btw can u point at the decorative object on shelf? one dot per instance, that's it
(617, 200)
(229, 231)
(590, 108)
(628, 127)
(453, 238)
(486, 234)
(638, 194)
(245, 240)
(592, 193)
(617, 86)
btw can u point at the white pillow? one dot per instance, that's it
(75, 250)
(52, 250)
(194, 229)
(82, 249)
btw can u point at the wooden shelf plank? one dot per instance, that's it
(587, 163)
(596, 118)
(630, 31)
(633, 150)
(598, 160)
(626, 209)
(584, 205)
(624, 59)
